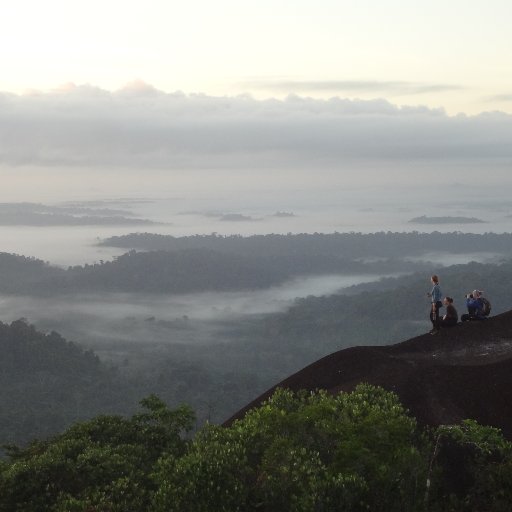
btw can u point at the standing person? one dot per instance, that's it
(435, 303)
(451, 318)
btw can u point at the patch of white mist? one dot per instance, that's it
(447, 259)
(187, 318)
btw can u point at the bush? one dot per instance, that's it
(303, 452)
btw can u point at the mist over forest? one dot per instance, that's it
(218, 245)
(210, 300)
(215, 320)
(202, 203)
(207, 284)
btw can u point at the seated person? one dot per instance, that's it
(475, 307)
(451, 317)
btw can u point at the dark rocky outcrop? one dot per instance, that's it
(463, 372)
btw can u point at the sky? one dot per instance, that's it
(453, 54)
(127, 98)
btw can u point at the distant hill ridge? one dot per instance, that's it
(347, 245)
(463, 372)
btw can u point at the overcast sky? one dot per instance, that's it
(287, 86)
(441, 54)
(142, 127)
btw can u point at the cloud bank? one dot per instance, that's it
(140, 126)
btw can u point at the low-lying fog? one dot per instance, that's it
(171, 319)
(365, 200)
(442, 258)
(360, 199)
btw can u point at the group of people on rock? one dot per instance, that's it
(475, 304)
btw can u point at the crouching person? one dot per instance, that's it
(475, 307)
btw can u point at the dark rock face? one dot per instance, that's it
(463, 372)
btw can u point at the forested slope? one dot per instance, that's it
(47, 383)
(178, 272)
(217, 263)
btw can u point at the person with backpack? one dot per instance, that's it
(451, 317)
(478, 307)
(486, 305)
(435, 303)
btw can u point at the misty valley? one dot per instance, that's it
(213, 321)
(228, 240)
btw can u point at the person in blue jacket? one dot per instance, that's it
(475, 307)
(435, 303)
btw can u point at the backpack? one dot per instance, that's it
(486, 306)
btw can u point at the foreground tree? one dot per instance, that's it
(100, 465)
(472, 469)
(303, 452)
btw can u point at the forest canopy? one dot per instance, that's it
(297, 452)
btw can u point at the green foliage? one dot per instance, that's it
(211, 476)
(309, 451)
(474, 469)
(298, 452)
(102, 464)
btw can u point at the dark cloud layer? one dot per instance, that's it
(140, 126)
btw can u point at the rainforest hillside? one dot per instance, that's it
(217, 366)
